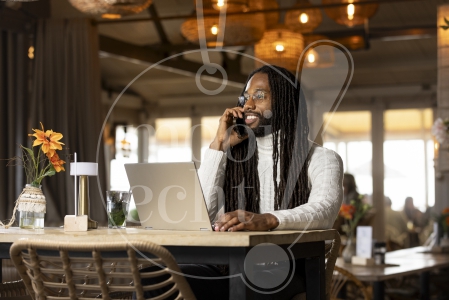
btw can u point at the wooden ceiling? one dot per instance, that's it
(400, 62)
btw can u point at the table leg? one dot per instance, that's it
(424, 282)
(379, 290)
(315, 285)
(237, 287)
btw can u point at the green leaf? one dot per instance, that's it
(48, 173)
(30, 153)
(446, 20)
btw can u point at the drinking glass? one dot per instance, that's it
(117, 208)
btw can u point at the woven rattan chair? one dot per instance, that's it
(108, 270)
(341, 278)
(332, 249)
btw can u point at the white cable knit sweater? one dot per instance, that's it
(325, 178)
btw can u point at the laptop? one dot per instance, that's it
(168, 196)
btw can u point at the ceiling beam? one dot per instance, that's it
(384, 34)
(280, 9)
(110, 47)
(158, 24)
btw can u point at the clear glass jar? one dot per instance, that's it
(31, 219)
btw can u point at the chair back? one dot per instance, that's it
(332, 250)
(340, 278)
(66, 270)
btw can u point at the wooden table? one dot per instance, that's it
(400, 263)
(229, 248)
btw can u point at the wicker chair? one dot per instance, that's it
(108, 270)
(332, 250)
(340, 278)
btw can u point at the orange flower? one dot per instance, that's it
(347, 211)
(49, 140)
(56, 162)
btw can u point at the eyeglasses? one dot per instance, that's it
(258, 97)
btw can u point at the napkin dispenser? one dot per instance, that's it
(81, 220)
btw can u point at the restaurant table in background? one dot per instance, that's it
(400, 263)
(205, 247)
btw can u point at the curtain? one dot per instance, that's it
(66, 97)
(14, 106)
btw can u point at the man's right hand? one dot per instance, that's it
(222, 141)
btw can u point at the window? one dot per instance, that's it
(208, 131)
(408, 157)
(172, 141)
(349, 134)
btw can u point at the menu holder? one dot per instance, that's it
(364, 247)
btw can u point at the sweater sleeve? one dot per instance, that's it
(211, 175)
(326, 178)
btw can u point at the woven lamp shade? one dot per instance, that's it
(318, 55)
(110, 9)
(359, 12)
(303, 20)
(243, 29)
(280, 46)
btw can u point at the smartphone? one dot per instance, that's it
(240, 128)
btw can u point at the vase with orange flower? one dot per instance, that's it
(41, 161)
(352, 213)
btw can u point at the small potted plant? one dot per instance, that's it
(352, 214)
(41, 161)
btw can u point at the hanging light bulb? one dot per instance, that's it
(351, 11)
(303, 18)
(312, 56)
(279, 47)
(214, 30)
(319, 55)
(229, 5)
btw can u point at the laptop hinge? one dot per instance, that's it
(205, 229)
(147, 227)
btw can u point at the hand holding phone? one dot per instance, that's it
(240, 128)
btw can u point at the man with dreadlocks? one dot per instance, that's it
(279, 179)
(272, 178)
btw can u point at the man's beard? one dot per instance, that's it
(264, 127)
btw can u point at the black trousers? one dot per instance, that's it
(207, 287)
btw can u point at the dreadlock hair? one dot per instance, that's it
(290, 130)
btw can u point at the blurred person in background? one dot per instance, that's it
(396, 231)
(415, 221)
(349, 189)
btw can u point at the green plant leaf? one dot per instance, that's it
(446, 20)
(48, 173)
(444, 27)
(30, 153)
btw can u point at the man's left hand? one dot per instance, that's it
(245, 220)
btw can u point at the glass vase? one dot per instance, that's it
(349, 250)
(31, 208)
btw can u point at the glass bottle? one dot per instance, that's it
(28, 217)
